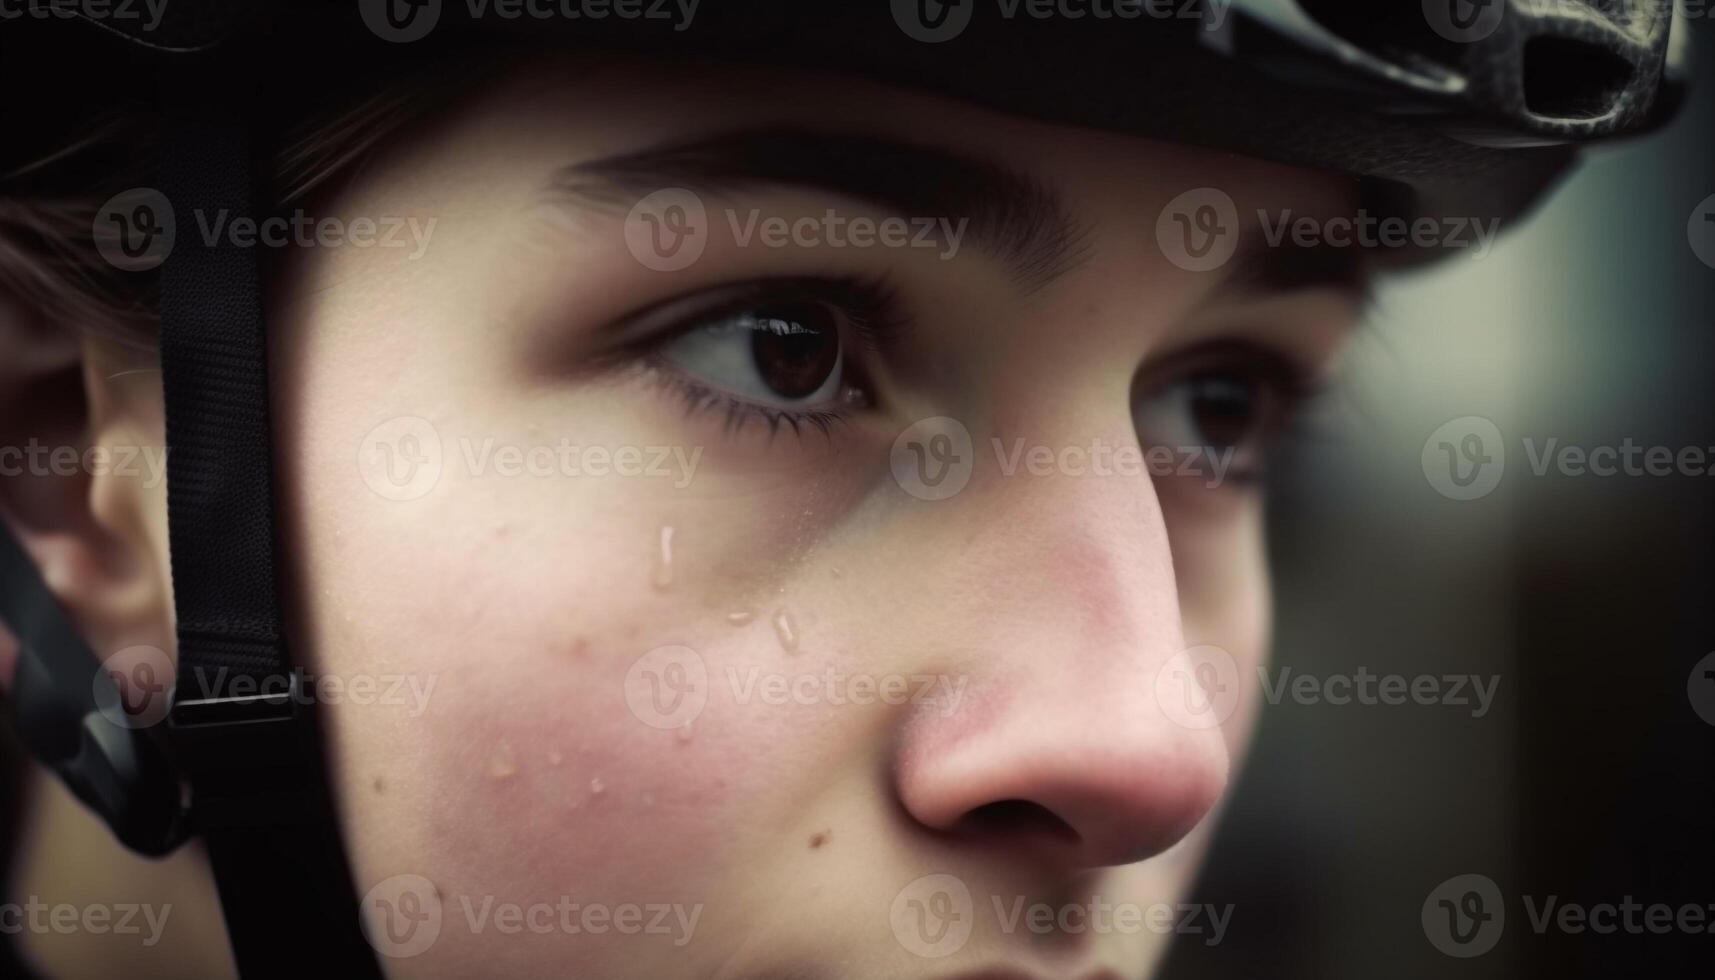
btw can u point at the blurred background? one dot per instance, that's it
(1591, 779)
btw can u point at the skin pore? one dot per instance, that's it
(527, 604)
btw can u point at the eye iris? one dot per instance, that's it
(794, 354)
(1224, 409)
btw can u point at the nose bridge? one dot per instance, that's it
(1063, 526)
(1059, 586)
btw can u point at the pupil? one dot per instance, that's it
(795, 365)
(1224, 410)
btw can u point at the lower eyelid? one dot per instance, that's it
(739, 414)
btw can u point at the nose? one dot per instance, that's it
(1065, 744)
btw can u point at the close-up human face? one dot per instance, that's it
(774, 681)
(751, 490)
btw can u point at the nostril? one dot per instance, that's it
(1570, 79)
(1017, 818)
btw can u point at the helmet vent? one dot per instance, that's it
(1566, 78)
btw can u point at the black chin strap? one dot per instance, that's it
(243, 732)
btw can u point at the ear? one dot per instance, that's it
(83, 487)
(83, 478)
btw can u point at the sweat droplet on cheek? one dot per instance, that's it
(662, 578)
(786, 631)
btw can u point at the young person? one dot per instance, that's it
(735, 519)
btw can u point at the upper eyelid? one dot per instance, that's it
(870, 307)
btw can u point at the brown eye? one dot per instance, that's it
(780, 356)
(1220, 419)
(796, 351)
(1226, 411)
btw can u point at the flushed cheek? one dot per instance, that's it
(588, 739)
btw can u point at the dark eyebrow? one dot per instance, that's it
(1261, 269)
(1019, 220)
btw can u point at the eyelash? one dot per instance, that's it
(870, 317)
(871, 320)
